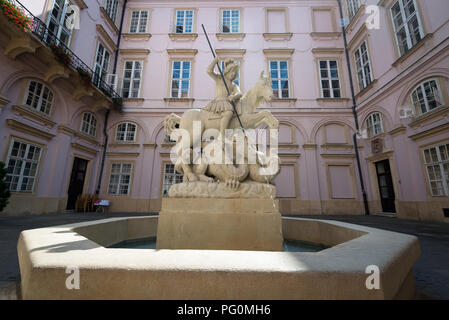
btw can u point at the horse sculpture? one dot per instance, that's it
(232, 174)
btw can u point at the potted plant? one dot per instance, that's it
(15, 15)
(61, 54)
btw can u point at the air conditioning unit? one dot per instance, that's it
(112, 81)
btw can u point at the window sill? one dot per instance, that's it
(108, 19)
(412, 50)
(284, 99)
(179, 99)
(435, 113)
(323, 100)
(86, 137)
(230, 36)
(325, 34)
(118, 144)
(136, 36)
(278, 36)
(366, 89)
(183, 36)
(35, 115)
(133, 100)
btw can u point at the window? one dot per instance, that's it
(363, 66)
(126, 132)
(171, 177)
(279, 79)
(101, 66)
(427, 96)
(111, 8)
(184, 21)
(329, 79)
(436, 160)
(132, 77)
(180, 80)
(22, 164)
(120, 178)
(237, 80)
(407, 25)
(139, 21)
(39, 97)
(89, 124)
(353, 7)
(230, 21)
(56, 21)
(374, 124)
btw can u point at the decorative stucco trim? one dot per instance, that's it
(86, 138)
(183, 36)
(80, 147)
(138, 36)
(135, 51)
(25, 128)
(327, 50)
(3, 101)
(278, 51)
(278, 36)
(103, 33)
(182, 52)
(436, 113)
(430, 132)
(123, 154)
(81, 4)
(109, 20)
(64, 129)
(27, 111)
(398, 131)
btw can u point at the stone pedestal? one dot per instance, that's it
(219, 224)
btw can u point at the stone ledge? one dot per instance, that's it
(335, 273)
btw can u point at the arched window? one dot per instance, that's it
(126, 132)
(89, 124)
(374, 125)
(39, 97)
(427, 96)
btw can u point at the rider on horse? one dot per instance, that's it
(222, 104)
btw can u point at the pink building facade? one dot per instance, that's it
(154, 55)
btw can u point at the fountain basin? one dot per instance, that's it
(338, 272)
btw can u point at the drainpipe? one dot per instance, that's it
(354, 111)
(106, 117)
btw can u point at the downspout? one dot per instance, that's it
(354, 111)
(106, 117)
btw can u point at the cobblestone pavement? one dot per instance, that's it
(431, 271)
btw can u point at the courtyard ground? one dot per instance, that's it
(431, 271)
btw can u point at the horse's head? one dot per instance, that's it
(260, 93)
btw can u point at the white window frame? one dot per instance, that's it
(40, 98)
(279, 79)
(374, 124)
(132, 79)
(101, 66)
(90, 124)
(361, 66)
(121, 173)
(438, 165)
(181, 78)
(21, 175)
(438, 97)
(353, 7)
(405, 25)
(140, 20)
(111, 8)
(184, 21)
(126, 132)
(231, 18)
(173, 175)
(329, 79)
(59, 21)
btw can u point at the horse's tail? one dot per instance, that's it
(171, 123)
